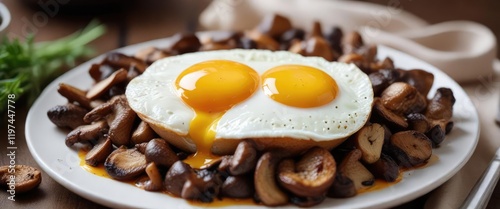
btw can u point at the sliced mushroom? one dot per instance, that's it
(120, 118)
(436, 134)
(354, 58)
(418, 122)
(99, 152)
(311, 176)
(353, 169)
(125, 164)
(342, 187)
(369, 140)
(385, 168)
(266, 187)
(103, 86)
(263, 41)
(86, 133)
(382, 115)
(176, 176)
(74, 94)
(244, 158)
(119, 60)
(274, 25)
(154, 182)
(67, 116)
(410, 148)
(185, 43)
(402, 98)
(158, 151)
(441, 105)
(420, 79)
(151, 54)
(381, 79)
(204, 187)
(237, 187)
(386, 63)
(143, 133)
(20, 178)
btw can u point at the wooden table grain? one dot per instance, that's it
(138, 21)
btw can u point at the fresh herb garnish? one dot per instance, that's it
(26, 67)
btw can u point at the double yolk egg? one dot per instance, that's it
(239, 94)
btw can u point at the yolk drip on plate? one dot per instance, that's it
(213, 87)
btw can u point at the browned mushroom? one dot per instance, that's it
(354, 58)
(67, 116)
(158, 151)
(410, 148)
(154, 181)
(204, 186)
(342, 187)
(244, 158)
(420, 79)
(102, 86)
(369, 140)
(418, 122)
(99, 152)
(125, 164)
(184, 43)
(266, 187)
(176, 176)
(118, 60)
(19, 178)
(74, 94)
(151, 54)
(385, 168)
(263, 41)
(237, 187)
(382, 115)
(436, 134)
(351, 42)
(274, 25)
(311, 176)
(386, 63)
(402, 98)
(441, 105)
(143, 133)
(119, 116)
(381, 79)
(85, 133)
(352, 168)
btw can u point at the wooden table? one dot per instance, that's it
(136, 22)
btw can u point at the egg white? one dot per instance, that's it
(153, 94)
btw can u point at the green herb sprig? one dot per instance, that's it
(27, 67)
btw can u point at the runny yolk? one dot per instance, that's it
(211, 88)
(299, 86)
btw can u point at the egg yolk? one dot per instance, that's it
(299, 86)
(211, 88)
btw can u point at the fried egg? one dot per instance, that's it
(248, 94)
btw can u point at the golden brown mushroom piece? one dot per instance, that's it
(21, 178)
(158, 151)
(74, 94)
(266, 187)
(67, 116)
(311, 176)
(410, 148)
(85, 133)
(403, 99)
(274, 25)
(99, 152)
(125, 164)
(103, 86)
(244, 158)
(369, 140)
(143, 133)
(352, 168)
(119, 116)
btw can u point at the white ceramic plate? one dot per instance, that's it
(46, 143)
